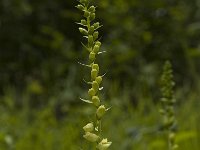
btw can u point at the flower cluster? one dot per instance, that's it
(168, 102)
(89, 30)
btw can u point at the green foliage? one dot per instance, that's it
(128, 127)
(40, 43)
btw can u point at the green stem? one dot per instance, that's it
(100, 128)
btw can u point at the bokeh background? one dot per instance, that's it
(41, 81)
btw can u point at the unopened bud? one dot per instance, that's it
(86, 14)
(98, 43)
(96, 100)
(88, 127)
(100, 112)
(83, 22)
(96, 48)
(104, 145)
(94, 74)
(91, 9)
(96, 25)
(90, 39)
(83, 31)
(81, 7)
(92, 16)
(91, 92)
(91, 137)
(96, 35)
(91, 30)
(92, 56)
(95, 66)
(98, 79)
(95, 86)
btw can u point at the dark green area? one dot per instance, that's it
(41, 81)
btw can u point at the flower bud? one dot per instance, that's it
(92, 56)
(91, 9)
(92, 16)
(98, 43)
(88, 127)
(98, 79)
(104, 144)
(91, 30)
(95, 66)
(96, 100)
(94, 74)
(100, 112)
(96, 25)
(95, 86)
(86, 14)
(81, 7)
(83, 22)
(90, 39)
(83, 31)
(96, 35)
(96, 48)
(91, 137)
(91, 92)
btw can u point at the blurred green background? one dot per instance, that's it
(41, 81)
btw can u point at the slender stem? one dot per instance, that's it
(88, 22)
(100, 128)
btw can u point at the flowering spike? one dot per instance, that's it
(168, 101)
(93, 131)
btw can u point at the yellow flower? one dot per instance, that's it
(91, 137)
(88, 127)
(100, 111)
(104, 144)
(96, 100)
